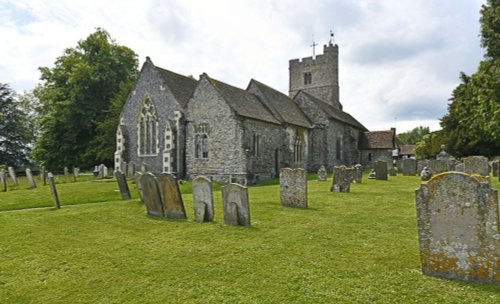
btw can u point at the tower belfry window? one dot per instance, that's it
(307, 78)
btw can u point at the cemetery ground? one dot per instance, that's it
(352, 247)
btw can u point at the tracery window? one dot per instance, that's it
(298, 150)
(201, 141)
(147, 133)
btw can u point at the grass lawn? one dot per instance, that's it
(358, 247)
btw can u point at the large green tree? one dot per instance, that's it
(76, 95)
(16, 129)
(472, 124)
(413, 136)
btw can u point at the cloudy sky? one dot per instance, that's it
(399, 59)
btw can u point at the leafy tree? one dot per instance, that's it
(413, 136)
(76, 95)
(16, 129)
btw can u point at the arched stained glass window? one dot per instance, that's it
(147, 129)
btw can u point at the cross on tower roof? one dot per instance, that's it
(313, 45)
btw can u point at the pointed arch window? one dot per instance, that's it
(201, 141)
(298, 150)
(147, 130)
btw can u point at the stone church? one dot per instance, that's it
(177, 124)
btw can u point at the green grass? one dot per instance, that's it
(358, 247)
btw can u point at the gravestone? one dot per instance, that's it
(96, 171)
(76, 172)
(293, 188)
(409, 167)
(322, 174)
(372, 174)
(341, 181)
(438, 166)
(459, 167)
(358, 174)
(137, 178)
(494, 167)
(236, 205)
(31, 180)
(457, 216)
(66, 172)
(12, 175)
(173, 206)
(151, 195)
(399, 165)
(380, 170)
(53, 191)
(393, 171)
(144, 168)
(3, 180)
(476, 165)
(425, 175)
(203, 200)
(122, 184)
(43, 175)
(105, 172)
(130, 169)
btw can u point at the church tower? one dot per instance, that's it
(317, 75)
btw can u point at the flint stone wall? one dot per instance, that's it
(457, 216)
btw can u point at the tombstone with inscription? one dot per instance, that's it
(13, 176)
(203, 200)
(31, 180)
(457, 216)
(380, 170)
(293, 187)
(409, 167)
(3, 181)
(173, 206)
(358, 174)
(236, 205)
(322, 174)
(122, 184)
(151, 195)
(476, 165)
(341, 181)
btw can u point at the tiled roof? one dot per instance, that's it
(334, 113)
(182, 87)
(242, 102)
(287, 110)
(377, 140)
(407, 150)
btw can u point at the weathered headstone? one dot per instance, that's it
(293, 188)
(236, 205)
(438, 166)
(399, 165)
(173, 206)
(138, 185)
(380, 170)
(322, 174)
(76, 172)
(105, 172)
(459, 167)
(476, 165)
(409, 167)
(53, 190)
(96, 171)
(358, 174)
(203, 200)
(151, 195)
(457, 216)
(13, 176)
(130, 169)
(341, 181)
(393, 171)
(494, 167)
(425, 175)
(3, 180)
(43, 175)
(66, 172)
(31, 180)
(144, 167)
(122, 184)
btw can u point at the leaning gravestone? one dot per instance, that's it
(173, 206)
(236, 205)
(151, 195)
(31, 180)
(137, 178)
(122, 184)
(457, 216)
(3, 180)
(341, 181)
(476, 165)
(358, 174)
(12, 175)
(381, 170)
(409, 167)
(53, 191)
(293, 188)
(322, 174)
(203, 200)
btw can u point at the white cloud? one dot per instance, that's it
(399, 60)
